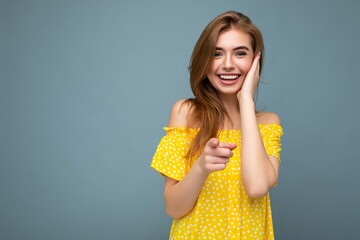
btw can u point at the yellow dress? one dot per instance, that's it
(223, 209)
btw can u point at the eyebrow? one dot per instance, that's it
(237, 48)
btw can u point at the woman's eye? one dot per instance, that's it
(241, 53)
(217, 54)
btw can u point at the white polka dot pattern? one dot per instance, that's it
(223, 210)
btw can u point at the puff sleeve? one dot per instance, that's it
(169, 157)
(271, 136)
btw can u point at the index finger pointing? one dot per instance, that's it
(230, 146)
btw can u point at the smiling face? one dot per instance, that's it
(232, 61)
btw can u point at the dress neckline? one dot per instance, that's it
(262, 125)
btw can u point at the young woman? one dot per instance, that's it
(220, 157)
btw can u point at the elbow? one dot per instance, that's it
(172, 208)
(173, 213)
(256, 191)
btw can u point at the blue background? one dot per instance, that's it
(86, 87)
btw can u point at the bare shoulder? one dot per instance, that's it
(268, 118)
(180, 114)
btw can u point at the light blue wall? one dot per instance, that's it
(86, 87)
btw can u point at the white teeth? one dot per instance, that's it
(228, 77)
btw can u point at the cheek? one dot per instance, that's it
(216, 64)
(246, 66)
(213, 69)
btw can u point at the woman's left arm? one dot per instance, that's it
(259, 171)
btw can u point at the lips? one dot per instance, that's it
(228, 79)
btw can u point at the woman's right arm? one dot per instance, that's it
(181, 196)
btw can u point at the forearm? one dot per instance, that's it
(180, 198)
(258, 173)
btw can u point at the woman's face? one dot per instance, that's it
(232, 61)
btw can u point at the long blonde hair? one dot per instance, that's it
(208, 112)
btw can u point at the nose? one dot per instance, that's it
(228, 63)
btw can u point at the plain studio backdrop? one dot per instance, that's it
(86, 87)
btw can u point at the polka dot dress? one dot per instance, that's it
(223, 210)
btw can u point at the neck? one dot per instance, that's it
(231, 105)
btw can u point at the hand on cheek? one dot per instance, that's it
(251, 80)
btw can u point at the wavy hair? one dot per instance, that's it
(207, 110)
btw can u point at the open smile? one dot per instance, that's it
(228, 79)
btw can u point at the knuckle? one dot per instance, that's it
(206, 151)
(208, 159)
(209, 167)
